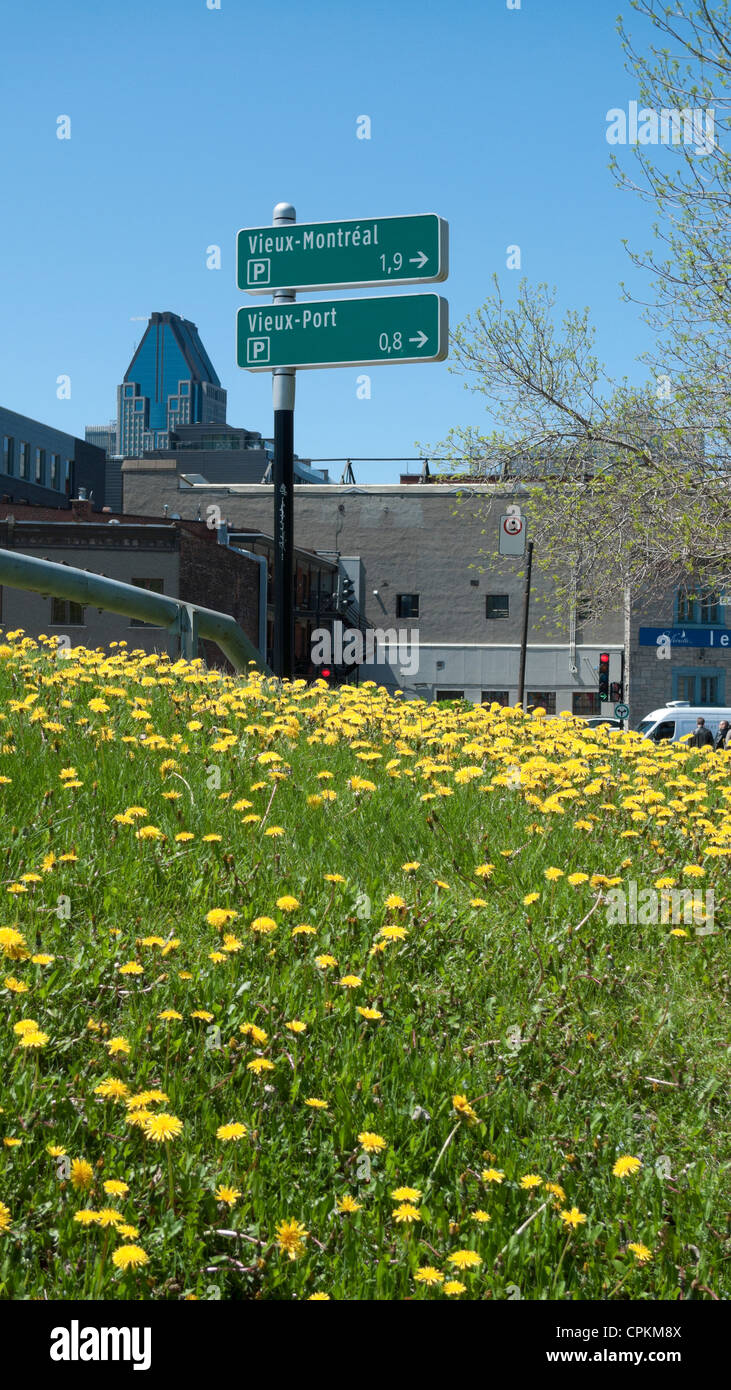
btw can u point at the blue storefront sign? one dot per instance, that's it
(685, 637)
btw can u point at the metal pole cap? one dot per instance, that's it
(284, 212)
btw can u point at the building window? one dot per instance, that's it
(55, 471)
(709, 608)
(545, 698)
(129, 391)
(450, 694)
(586, 702)
(699, 687)
(64, 613)
(8, 443)
(407, 606)
(23, 457)
(184, 388)
(496, 697)
(40, 466)
(67, 477)
(703, 608)
(156, 587)
(497, 606)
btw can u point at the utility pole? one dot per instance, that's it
(283, 387)
(524, 640)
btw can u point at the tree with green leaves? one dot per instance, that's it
(626, 490)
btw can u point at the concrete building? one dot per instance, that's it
(103, 436)
(421, 554)
(222, 453)
(43, 466)
(424, 571)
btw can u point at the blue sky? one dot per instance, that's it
(188, 123)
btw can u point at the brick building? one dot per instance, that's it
(182, 559)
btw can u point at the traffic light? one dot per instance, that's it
(603, 676)
(345, 592)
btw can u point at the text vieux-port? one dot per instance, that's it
(279, 320)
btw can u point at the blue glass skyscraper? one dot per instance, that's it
(169, 382)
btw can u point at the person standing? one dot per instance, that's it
(722, 738)
(702, 738)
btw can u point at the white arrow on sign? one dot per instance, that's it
(419, 260)
(420, 339)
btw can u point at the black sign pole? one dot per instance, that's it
(283, 385)
(524, 639)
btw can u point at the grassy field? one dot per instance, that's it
(314, 994)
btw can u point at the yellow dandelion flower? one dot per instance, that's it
(264, 925)
(129, 1256)
(626, 1165)
(372, 1143)
(465, 1259)
(287, 903)
(348, 1205)
(221, 916)
(291, 1237)
(114, 1187)
(163, 1127)
(573, 1218)
(229, 1195)
(463, 1107)
(231, 1132)
(81, 1174)
(407, 1212)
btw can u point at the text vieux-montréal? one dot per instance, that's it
(262, 244)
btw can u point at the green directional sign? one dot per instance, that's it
(343, 332)
(346, 255)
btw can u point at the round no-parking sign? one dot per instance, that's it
(512, 534)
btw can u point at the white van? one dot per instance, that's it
(678, 718)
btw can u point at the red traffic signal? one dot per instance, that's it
(604, 676)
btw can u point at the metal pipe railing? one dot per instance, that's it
(20, 571)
